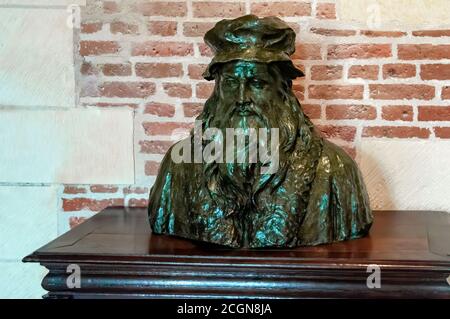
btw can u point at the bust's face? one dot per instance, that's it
(245, 86)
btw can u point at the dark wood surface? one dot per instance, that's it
(119, 257)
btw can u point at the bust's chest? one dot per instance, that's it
(274, 222)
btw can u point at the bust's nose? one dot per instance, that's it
(243, 94)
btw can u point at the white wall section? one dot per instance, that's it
(76, 146)
(406, 174)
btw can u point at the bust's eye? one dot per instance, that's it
(231, 81)
(257, 83)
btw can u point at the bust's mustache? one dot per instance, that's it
(240, 110)
(245, 109)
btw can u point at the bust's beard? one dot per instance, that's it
(234, 185)
(241, 169)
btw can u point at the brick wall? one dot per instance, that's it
(148, 56)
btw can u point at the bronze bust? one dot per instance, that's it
(311, 193)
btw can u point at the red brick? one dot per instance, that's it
(333, 32)
(164, 28)
(299, 66)
(162, 8)
(359, 51)
(432, 33)
(331, 92)
(397, 113)
(178, 90)
(434, 113)
(134, 202)
(135, 190)
(423, 51)
(196, 29)
(75, 221)
(127, 89)
(435, 71)
(165, 128)
(326, 72)
(98, 47)
(299, 91)
(151, 168)
(159, 70)
(155, 48)
(281, 9)
(343, 112)
(442, 132)
(103, 189)
(368, 72)
(160, 109)
(91, 27)
(116, 69)
(123, 28)
(307, 52)
(346, 133)
(110, 7)
(74, 190)
(313, 111)
(396, 132)
(390, 34)
(399, 71)
(96, 205)
(88, 69)
(205, 50)
(326, 11)
(195, 71)
(192, 109)
(401, 91)
(155, 147)
(204, 90)
(445, 93)
(207, 9)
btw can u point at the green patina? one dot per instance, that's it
(316, 196)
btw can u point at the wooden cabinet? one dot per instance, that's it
(114, 255)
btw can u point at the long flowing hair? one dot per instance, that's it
(296, 140)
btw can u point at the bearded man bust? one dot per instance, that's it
(315, 195)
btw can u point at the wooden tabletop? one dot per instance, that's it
(399, 241)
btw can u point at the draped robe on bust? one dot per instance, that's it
(320, 199)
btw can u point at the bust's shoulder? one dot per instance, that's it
(334, 159)
(338, 207)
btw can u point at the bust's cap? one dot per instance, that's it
(250, 38)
